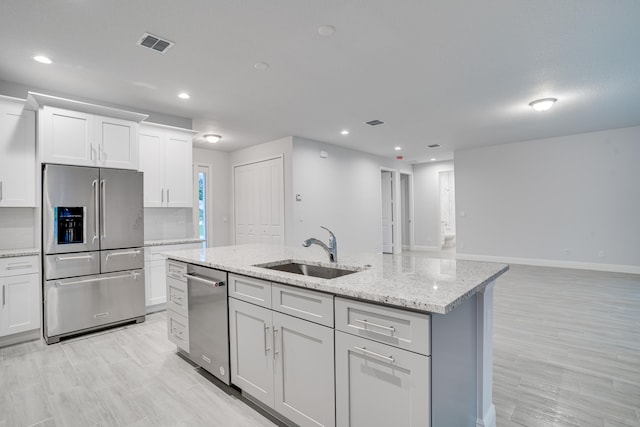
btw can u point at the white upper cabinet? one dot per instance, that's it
(77, 133)
(165, 158)
(17, 154)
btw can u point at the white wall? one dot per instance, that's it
(426, 184)
(18, 228)
(341, 192)
(220, 181)
(279, 147)
(562, 200)
(168, 223)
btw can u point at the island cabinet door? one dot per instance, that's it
(304, 371)
(380, 385)
(251, 340)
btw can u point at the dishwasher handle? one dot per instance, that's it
(212, 283)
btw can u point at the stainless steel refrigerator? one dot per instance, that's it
(92, 240)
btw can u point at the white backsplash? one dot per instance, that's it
(17, 228)
(168, 223)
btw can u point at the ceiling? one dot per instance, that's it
(449, 72)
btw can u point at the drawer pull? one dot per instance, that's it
(134, 253)
(365, 323)
(389, 359)
(72, 258)
(19, 266)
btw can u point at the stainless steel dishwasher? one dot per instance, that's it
(208, 320)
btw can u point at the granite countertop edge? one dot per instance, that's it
(167, 242)
(9, 253)
(346, 286)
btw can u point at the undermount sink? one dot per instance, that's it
(320, 271)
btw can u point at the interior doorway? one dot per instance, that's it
(406, 210)
(447, 210)
(386, 185)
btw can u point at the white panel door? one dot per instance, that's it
(304, 371)
(387, 212)
(178, 170)
(17, 156)
(68, 137)
(152, 165)
(380, 385)
(259, 202)
(20, 310)
(116, 143)
(251, 341)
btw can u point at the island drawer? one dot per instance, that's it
(177, 297)
(306, 304)
(400, 328)
(178, 330)
(177, 270)
(249, 289)
(15, 266)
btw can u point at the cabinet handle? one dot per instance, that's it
(266, 347)
(103, 193)
(99, 152)
(19, 266)
(389, 359)
(275, 351)
(161, 196)
(1, 192)
(3, 295)
(365, 323)
(167, 196)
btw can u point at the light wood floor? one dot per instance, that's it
(567, 353)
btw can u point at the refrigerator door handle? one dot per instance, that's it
(96, 202)
(103, 193)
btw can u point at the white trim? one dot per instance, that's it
(613, 268)
(264, 159)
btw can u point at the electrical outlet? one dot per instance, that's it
(601, 254)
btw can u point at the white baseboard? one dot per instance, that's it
(613, 268)
(426, 248)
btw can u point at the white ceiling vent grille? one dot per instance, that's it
(154, 42)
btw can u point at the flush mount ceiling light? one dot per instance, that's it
(42, 59)
(398, 148)
(261, 66)
(184, 95)
(433, 159)
(542, 104)
(344, 132)
(326, 30)
(211, 138)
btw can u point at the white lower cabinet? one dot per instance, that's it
(380, 385)
(284, 362)
(20, 295)
(177, 306)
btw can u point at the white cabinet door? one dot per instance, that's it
(251, 349)
(17, 155)
(155, 282)
(166, 160)
(377, 384)
(67, 137)
(178, 170)
(116, 143)
(304, 371)
(20, 310)
(152, 165)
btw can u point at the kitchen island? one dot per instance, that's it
(444, 307)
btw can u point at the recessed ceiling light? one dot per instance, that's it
(398, 148)
(42, 59)
(432, 159)
(344, 132)
(326, 30)
(542, 104)
(262, 66)
(211, 138)
(184, 95)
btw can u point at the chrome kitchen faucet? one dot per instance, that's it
(331, 250)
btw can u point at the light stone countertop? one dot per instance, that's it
(410, 281)
(8, 253)
(165, 242)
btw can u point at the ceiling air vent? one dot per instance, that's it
(374, 122)
(154, 42)
(433, 145)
